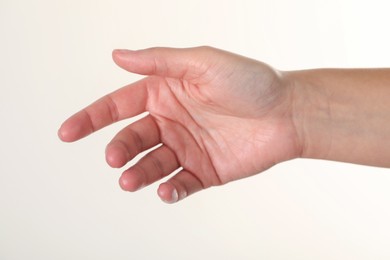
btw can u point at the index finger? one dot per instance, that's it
(126, 102)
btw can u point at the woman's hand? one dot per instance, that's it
(217, 115)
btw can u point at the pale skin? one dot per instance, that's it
(220, 117)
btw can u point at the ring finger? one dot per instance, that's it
(132, 140)
(152, 167)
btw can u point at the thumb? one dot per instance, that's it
(188, 63)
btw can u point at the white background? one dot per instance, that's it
(61, 201)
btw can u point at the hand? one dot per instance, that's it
(217, 115)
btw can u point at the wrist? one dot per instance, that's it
(342, 114)
(311, 113)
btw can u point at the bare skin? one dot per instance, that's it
(220, 117)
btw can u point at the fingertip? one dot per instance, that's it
(130, 181)
(119, 54)
(116, 156)
(168, 193)
(60, 134)
(74, 128)
(66, 134)
(121, 51)
(123, 58)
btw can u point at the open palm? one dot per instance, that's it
(216, 115)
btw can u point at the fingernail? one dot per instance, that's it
(59, 133)
(175, 196)
(122, 51)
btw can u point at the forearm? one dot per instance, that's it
(343, 115)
